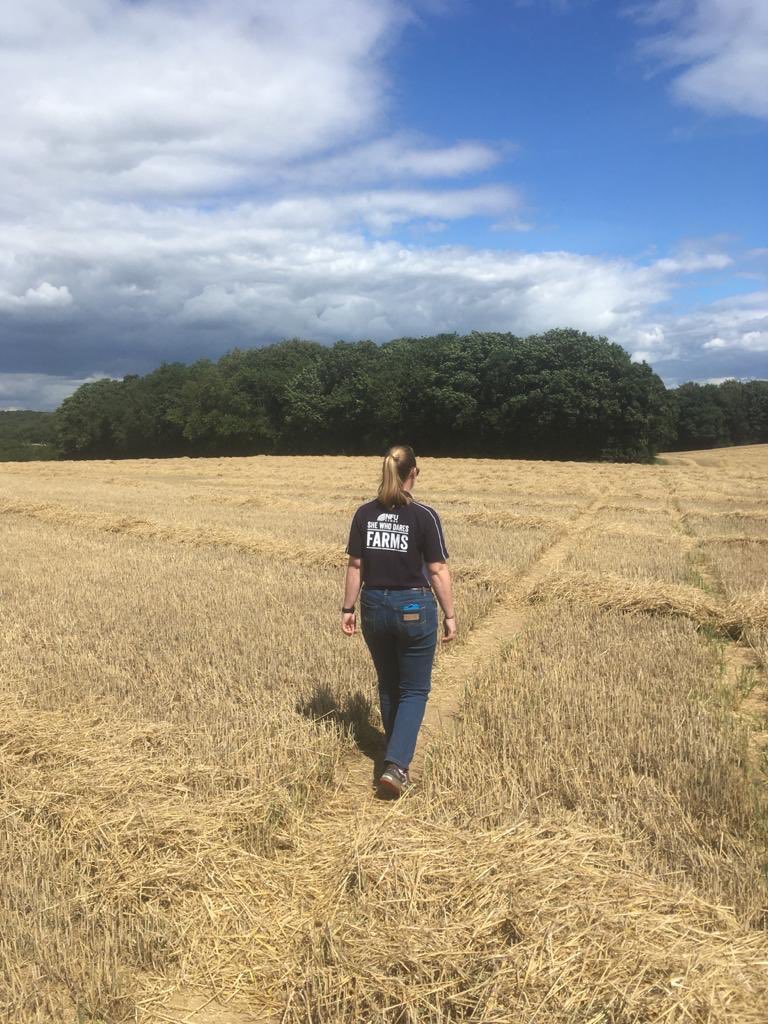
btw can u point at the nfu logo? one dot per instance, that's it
(388, 517)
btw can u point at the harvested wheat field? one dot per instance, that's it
(186, 749)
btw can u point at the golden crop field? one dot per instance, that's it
(188, 827)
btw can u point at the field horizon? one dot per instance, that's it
(188, 744)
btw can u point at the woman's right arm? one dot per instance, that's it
(440, 578)
(351, 591)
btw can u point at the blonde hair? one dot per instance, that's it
(398, 463)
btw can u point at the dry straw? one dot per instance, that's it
(180, 713)
(610, 591)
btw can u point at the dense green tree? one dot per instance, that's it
(274, 368)
(430, 391)
(732, 399)
(84, 422)
(207, 411)
(756, 397)
(701, 422)
(563, 394)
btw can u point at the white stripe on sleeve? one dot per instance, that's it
(437, 525)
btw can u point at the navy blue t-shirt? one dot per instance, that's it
(394, 543)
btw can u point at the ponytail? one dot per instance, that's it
(398, 463)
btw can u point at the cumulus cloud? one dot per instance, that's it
(161, 282)
(730, 335)
(748, 341)
(734, 323)
(151, 284)
(181, 98)
(44, 296)
(720, 51)
(172, 100)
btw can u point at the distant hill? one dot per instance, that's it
(26, 435)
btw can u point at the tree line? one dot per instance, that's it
(563, 394)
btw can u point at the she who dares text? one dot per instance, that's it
(386, 533)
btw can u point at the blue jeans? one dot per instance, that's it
(400, 629)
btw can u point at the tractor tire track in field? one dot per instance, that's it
(742, 667)
(701, 564)
(258, 543)
(97, 521)
(496, 630)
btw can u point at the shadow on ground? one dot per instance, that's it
(354, 717)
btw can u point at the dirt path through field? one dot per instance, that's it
(497, 629)
(742, 668)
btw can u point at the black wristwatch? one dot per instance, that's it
(348, 610)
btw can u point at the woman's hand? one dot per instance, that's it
(348, 623)
(449, 629)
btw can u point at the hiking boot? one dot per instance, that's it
(394, 779)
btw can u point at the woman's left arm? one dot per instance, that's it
(351, 590)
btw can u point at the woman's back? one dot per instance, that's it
(395, 542)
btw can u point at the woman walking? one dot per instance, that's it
(397, 552)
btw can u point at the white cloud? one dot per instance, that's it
(674, 382)
(395, 158)
(125, 98)
(756, 341)
(690, 261)
(159, 283)
(720, 48)
(738, 324)
(380, 209)
(652, 339)
(305, 266)
(385, 289)
(116, 99)
(43, 296)
(749, 341)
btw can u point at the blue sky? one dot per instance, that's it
(178, 178)
(609, 162)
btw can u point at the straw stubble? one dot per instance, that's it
(184, 832)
